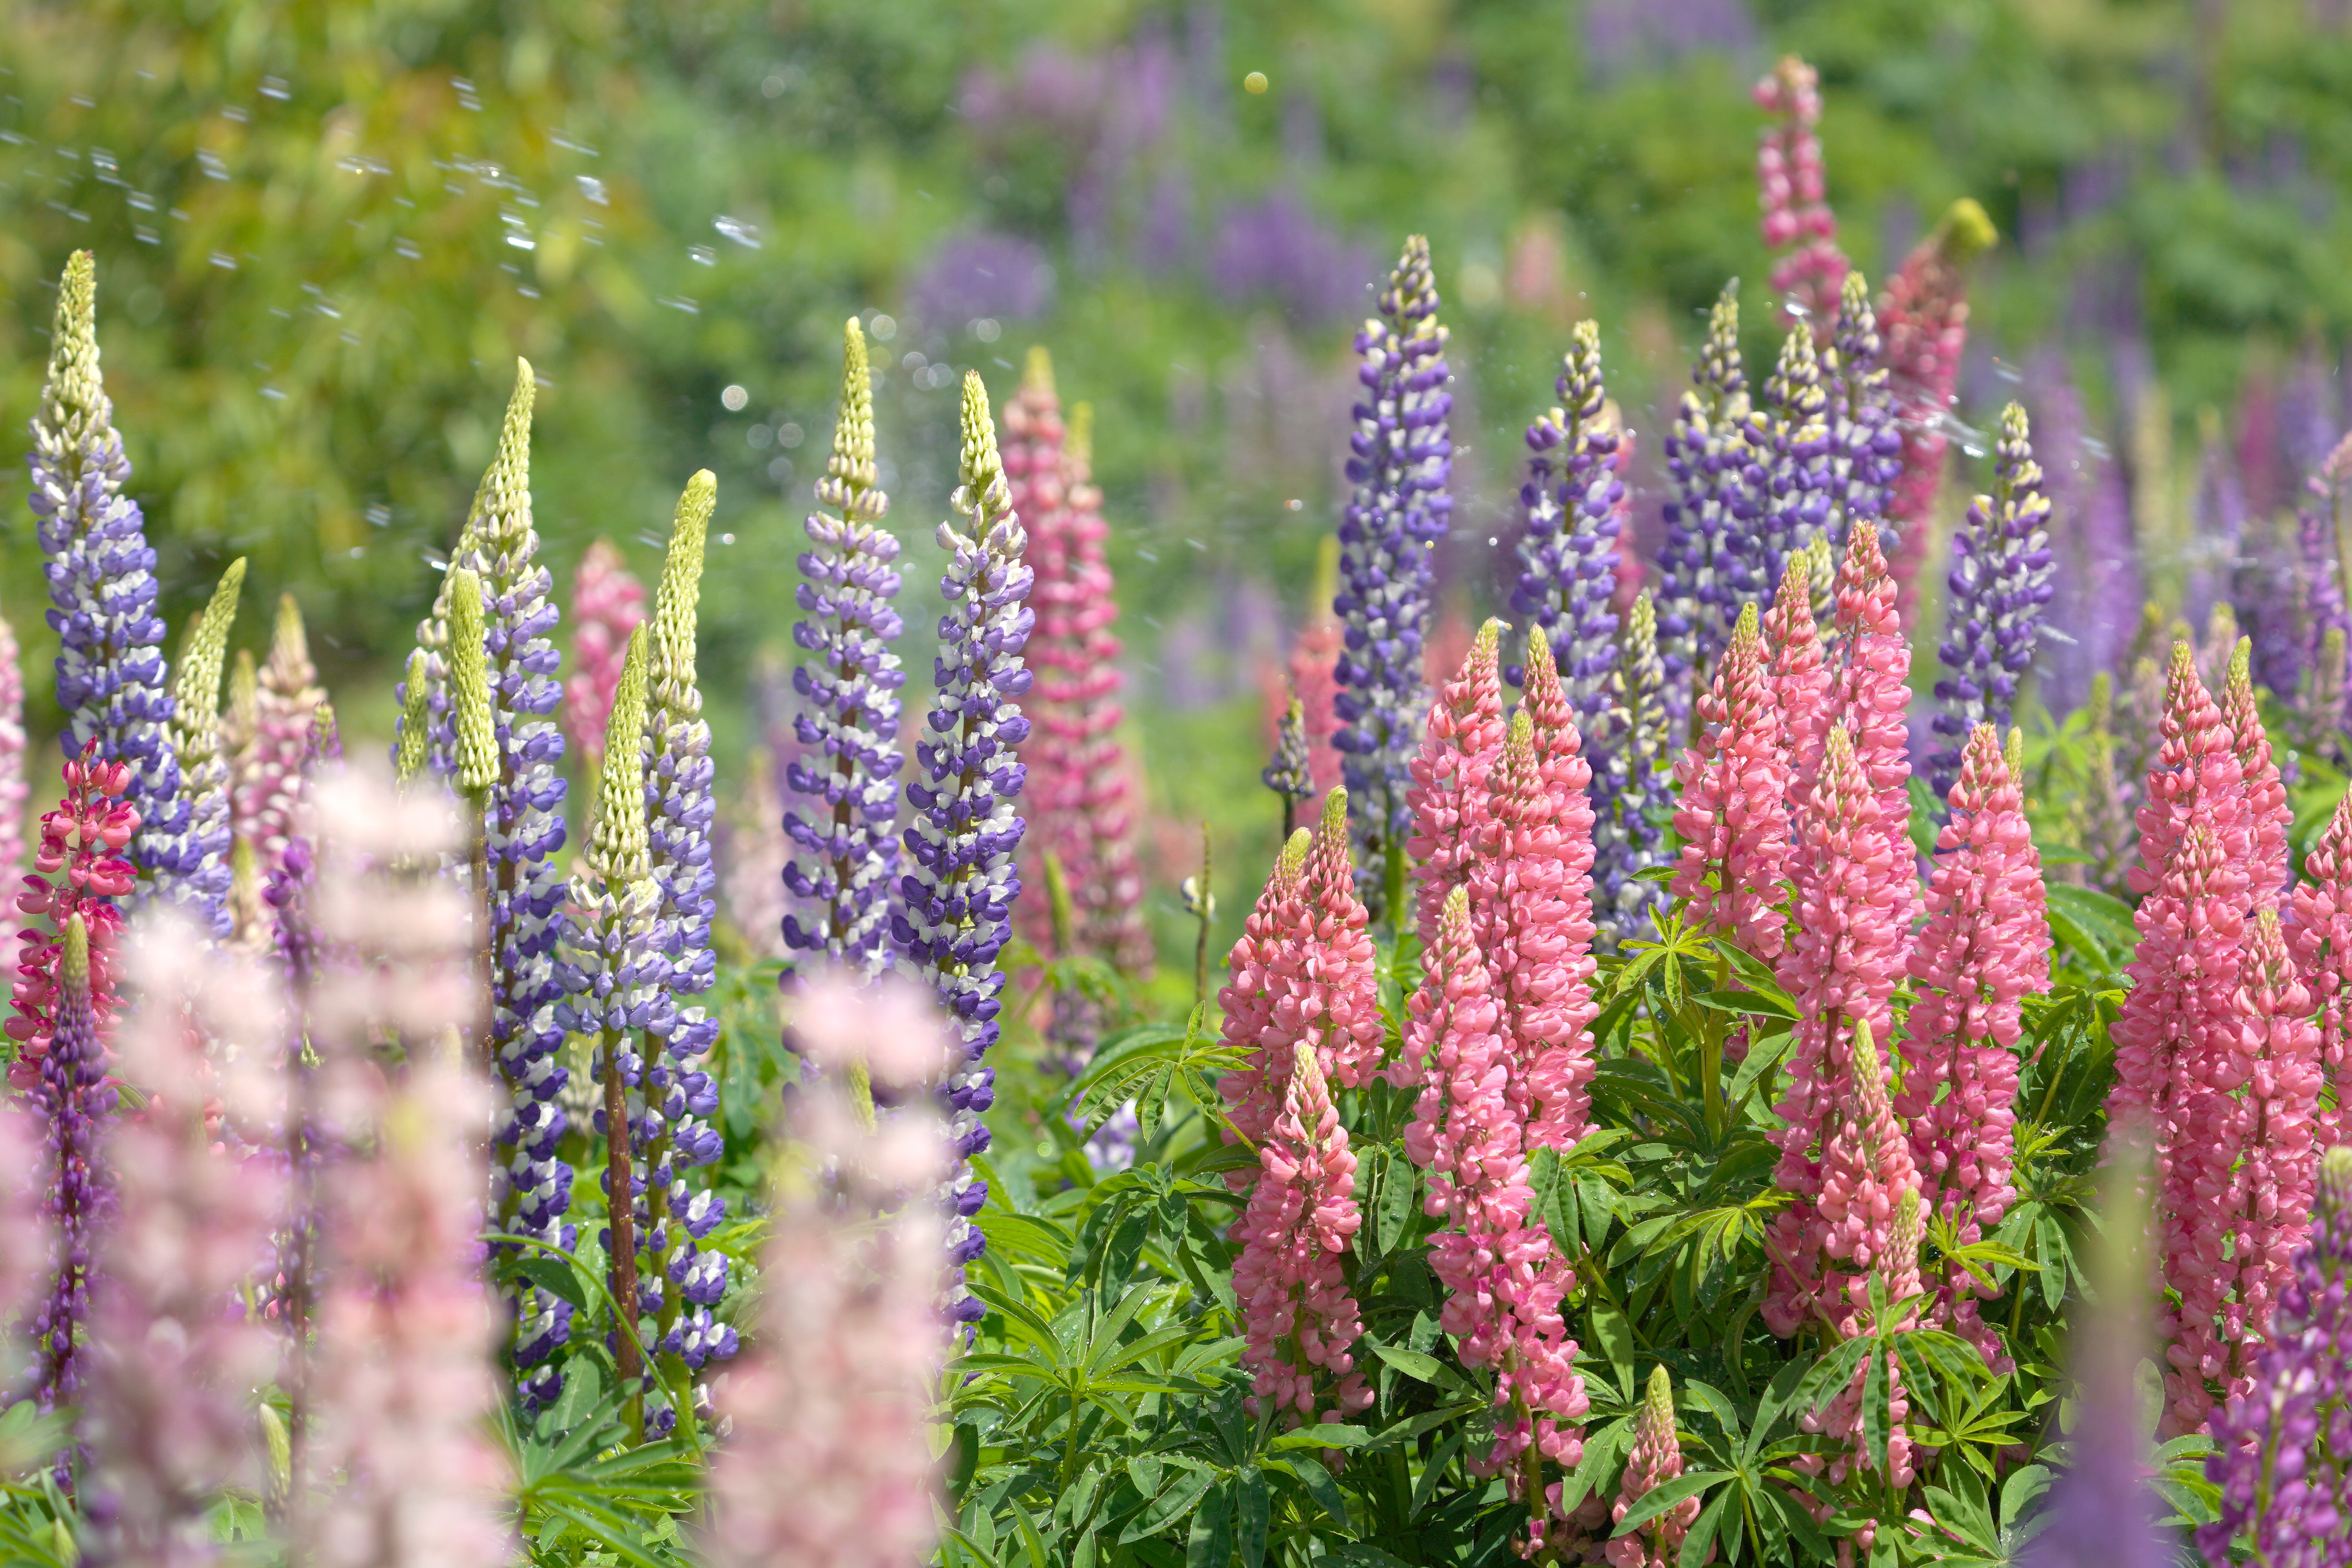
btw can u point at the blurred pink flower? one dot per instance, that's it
(608, 603)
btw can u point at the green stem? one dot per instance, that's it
(1201, 940)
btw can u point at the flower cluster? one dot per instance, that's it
(15, 790)
(1793, 193)
(1704, 584)
(75, 1102)
(2001, 580)
(1656, 1459)
(1924, 317)
(80, 872)
(1567, 585)
(269, 771)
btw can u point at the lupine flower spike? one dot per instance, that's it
(75, 1103)
(1290, 774)
(2001, 584)
(2266, 801)
(204, 770)
(1399, 461)
(1657, 1458)
(1924, 317)
(80, 873)
(1568, 557)
(2278, 1111)
(102, 571)
(1865, 446)
(1460, 743)
(1627, 837)
(1705, 577)
(957, 903)
(16, 789)
(1792, 192)
(1868, 660)
(847, 850)
(1789, 478)
(2322, 939)
(1732, 806)
(269, 784)
(1985, 947)
(607, 604)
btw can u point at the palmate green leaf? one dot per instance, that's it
(1212, 1536)
(1663, 1496)
(1173, 1504)
(1317, 1482)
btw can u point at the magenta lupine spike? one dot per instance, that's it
(1448, 794)
(1868, 662)
(1923, 317)
(1853, 886)
(1656, 1459)
(15, 790)
(169, 1417)
(1791, 190)
(2271, 815)
(80, 869)
(827, 1464)
(1732, 811)
(270, 786)
(608, 603)
(2281, 1452)
(2322, 939)
(2280, 1074)
(1986, 945)
(1503, 1280)
(1030, 438)
(1300, 1321)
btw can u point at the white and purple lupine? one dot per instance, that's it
(956, 901)
(522, 833)
(1633, 785)
(1568, 557)
(680, 1097)
(112, 681)
(2001, 582)
(848, 724)
(1787, 487)
(1865, 453)
(204, 764)
(440, 736)
(1400, 459)
(2281, 1454)
(1703, 582)
(74, 1102)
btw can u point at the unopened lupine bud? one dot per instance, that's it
(469, 686)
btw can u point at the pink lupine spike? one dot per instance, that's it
(1656, 1459)
(1339, 980)
(2280, 1063)
(1854, 884)
(1300, 1321)
(2266, 803)
(269, 782)
(1792, 191)
(608, 603)
(1843, 1416)
(1253, 996)
(1986, 945)
(1313, 668)
(1865, 1169)
(1448, 793)
(15, 790)
(2322, 942)
(1868, 663)
(1923, 319)
(2197, 777)
(1797, 674)
(1733, 810)
(1504, 1282)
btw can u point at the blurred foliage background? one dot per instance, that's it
(324, 228)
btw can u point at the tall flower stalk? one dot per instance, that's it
(1461, 742)
(2322, 938)
(1731, 810)
(269, 782)
(1792, 191)
(205, 768)
(101, 572)
(75, 1104)
(1866, 444)
(1789, 480)
(1626, 835)
(1567, 583)
(1400, 459)
(1657, 1458)
(80, 873)
(1924, 316)
(846, 846)
(1704, 578)
(2002, 581)
(956, 904)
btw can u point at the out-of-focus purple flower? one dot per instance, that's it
(1400, 460)
(75, 1103)
(2217, 517)
(2311, 416)
(1637, 770)
(1625, 37)
(2001, 582)
(983, 274)
(1703, 577)
(1275, 247)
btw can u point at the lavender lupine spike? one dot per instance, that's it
(850, 722)
(1703, 582)
(1638, 770)
(1568, 558)
(2002, 579)
(1789, 484)
(73, 1102)
(522, 833)
(1865, 442)
(1400, 460)
(956, 904)
(204, 767)
(102, 571)
(680, 807)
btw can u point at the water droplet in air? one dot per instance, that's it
(734, 398)
(743, 234)
(884, 328)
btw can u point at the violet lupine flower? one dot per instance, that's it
(1787, 496)
(171, 1406)
(607, 604)
(850, 723)
(679, 806)
(101, 572)
(1865, 444)
(1703, 582)
(1568, 557)
(2001, 583)
(1639, 786)
(827, 1463)
(269, 775)
(2280, 1454)
(1400, 459)
(75, 1104)
(522, 834)
(956, 911)
(15, 790)
(204, 769)
(1924, 318)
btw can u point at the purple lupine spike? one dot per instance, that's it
(956, 904)
(2283, 1450)
(1788, 495)
(846, 846)
(1627, 838)
(74, 1103)
(1400, 460)
(1702, 583)
(1865, 443)
(2217, 517)
(522, 834)
(1568, 557)
(111, 674)
(2001, 583)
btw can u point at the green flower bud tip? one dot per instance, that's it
(76, 961)
(850, 482)
(620, 852)
(75, 395)
(506, 500)
(290, 644)
(469, 685)
(326, 738)
(1037, 371)
(1658, 1400)
(1965, 231)
(981, 494)
(415, 716)
(198, 690)
(245, 693)
(1294, 854)
(1079, 439)
(676, 600)
(1335, 812)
